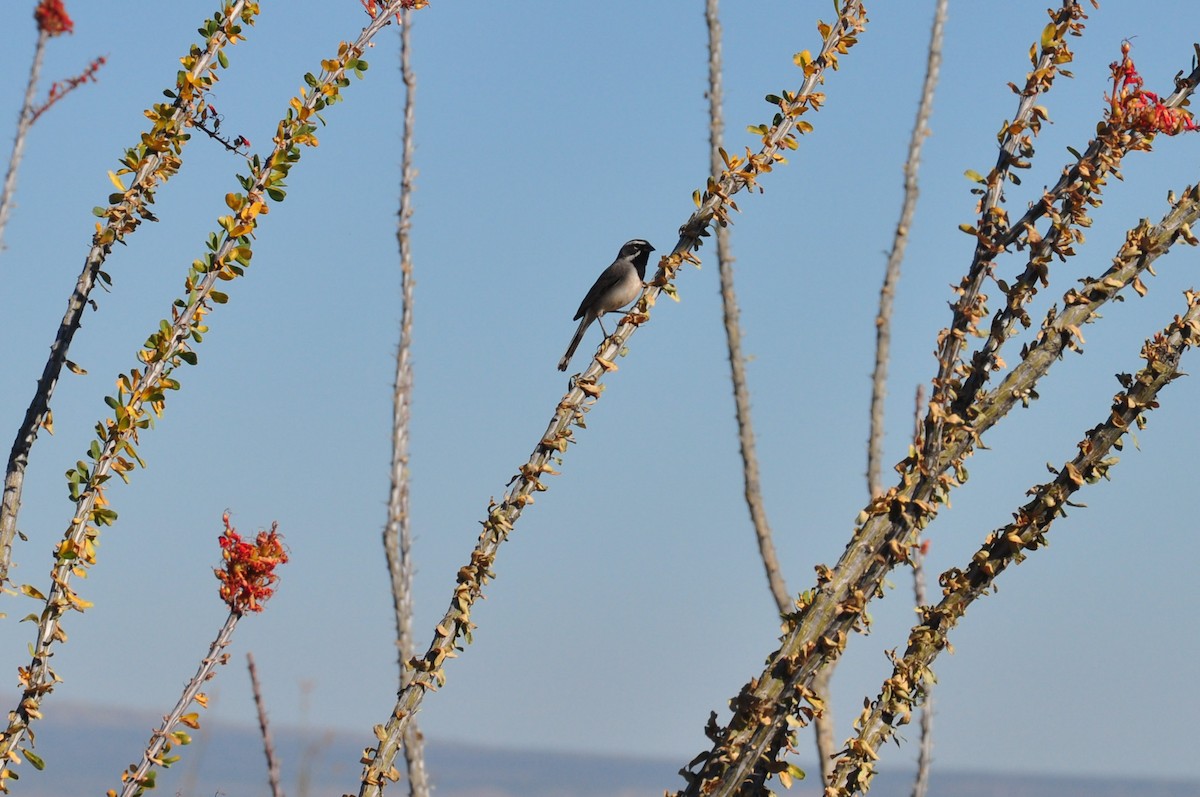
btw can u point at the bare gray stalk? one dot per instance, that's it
(397, 534)
(752, 489)
(264, 728)
(733, 332)
(24, 122)
(883, 321)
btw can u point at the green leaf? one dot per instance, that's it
(222, 59)
(104, 517)
(38, 763)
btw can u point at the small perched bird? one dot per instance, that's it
(617, 286)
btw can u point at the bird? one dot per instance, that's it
(617, 286)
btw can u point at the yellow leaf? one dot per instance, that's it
(191, 720)
(78, 602)
(1049, 36)
(32, 592)
(116, 181)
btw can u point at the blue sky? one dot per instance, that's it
(630, 601)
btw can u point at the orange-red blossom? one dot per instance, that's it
(52, 18)
(1143, 110)
(248, 577)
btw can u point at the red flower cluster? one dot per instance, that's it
(249, 575)
(1143, 111)
(52, 18)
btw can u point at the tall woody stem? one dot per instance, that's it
(397, 534)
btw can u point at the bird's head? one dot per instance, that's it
(638, 251)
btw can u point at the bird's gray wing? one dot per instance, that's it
(607, 279)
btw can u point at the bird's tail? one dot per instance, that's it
(566, 358)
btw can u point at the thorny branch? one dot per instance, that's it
(733, 333)
(1016, 147)
(140, 776)
(747, 749)
(264, 729)
(397, 533)
(883, 344)
(911, 672)
(713, 205)
(142, 392)
(154, 160)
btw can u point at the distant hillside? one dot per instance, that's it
(86, 753)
